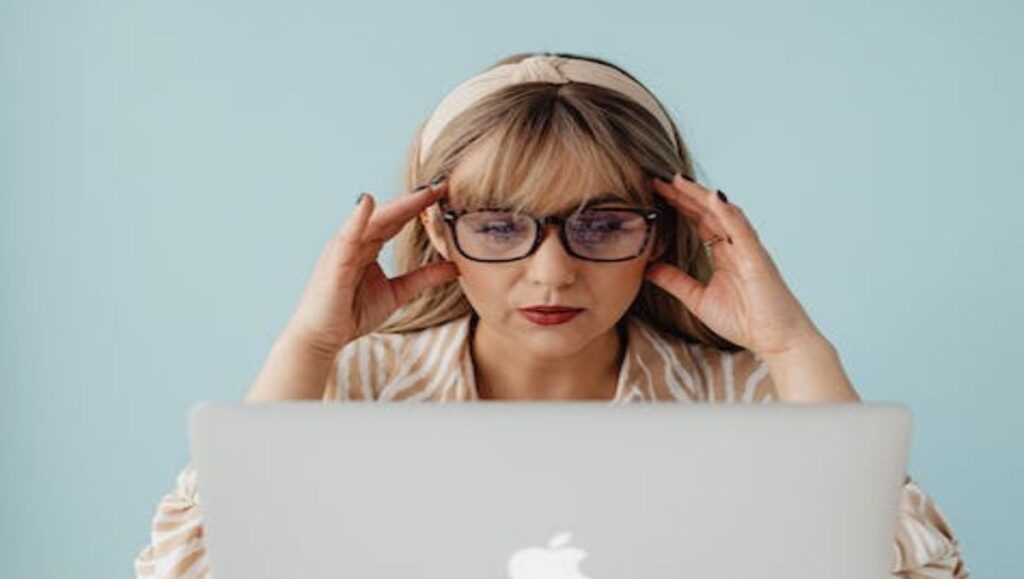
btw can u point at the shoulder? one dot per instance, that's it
(701, 372)
(374, 365)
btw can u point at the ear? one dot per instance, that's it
(430, 219)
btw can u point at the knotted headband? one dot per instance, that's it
(546, 68)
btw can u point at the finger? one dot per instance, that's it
(676, 282)
(389, 219)
(705, 220)
(733, 217)
(409, 285)
(346, 247)
(738, 228)
(352, 231)
(734, 223)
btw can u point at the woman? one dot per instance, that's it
(558, 186)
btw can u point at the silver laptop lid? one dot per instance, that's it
(529, 490)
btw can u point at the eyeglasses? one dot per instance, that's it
(493, 235)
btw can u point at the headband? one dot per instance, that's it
(546, 68)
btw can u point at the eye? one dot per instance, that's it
(498, 226)
(604, 221)
(506, 226)
(606, 228)
(600, 224)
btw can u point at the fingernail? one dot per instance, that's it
(687, 178)
(437, 181)
(723, 198)
(420, 188)
(360, 198)
(663, 179)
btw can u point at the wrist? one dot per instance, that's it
(293, 370)
(811, 344)
(810, 371)
(295, 343)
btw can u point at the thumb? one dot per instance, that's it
(411, 284)
(676, 282)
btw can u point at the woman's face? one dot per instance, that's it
(549, 276)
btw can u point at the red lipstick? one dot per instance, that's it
(550, 315)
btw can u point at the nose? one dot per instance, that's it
(551, 265)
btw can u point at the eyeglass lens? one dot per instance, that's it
(604, 234)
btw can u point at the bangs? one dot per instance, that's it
(546, 159)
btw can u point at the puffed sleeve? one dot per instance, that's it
(176, 546)
(924, 546)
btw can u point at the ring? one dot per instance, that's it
(714, 239)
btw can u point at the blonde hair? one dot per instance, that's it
(577, 139)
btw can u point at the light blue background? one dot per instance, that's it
(170, 171)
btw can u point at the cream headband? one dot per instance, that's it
(545, 68)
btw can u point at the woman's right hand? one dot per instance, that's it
(349, 294)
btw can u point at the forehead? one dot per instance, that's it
(559, 182)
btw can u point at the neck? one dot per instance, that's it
(505, 371)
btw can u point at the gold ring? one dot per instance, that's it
(714, 239)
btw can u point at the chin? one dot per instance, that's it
(558, 340)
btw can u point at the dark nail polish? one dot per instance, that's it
(723, 198)
(435, 182)
(360, 198)
(420, 188)
(664, 179)
(687, 178)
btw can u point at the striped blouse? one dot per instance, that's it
(434, 364)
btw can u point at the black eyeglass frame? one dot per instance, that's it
(450, 216)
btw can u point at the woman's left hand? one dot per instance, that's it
(746, 300)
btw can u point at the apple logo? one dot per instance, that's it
(556, 561)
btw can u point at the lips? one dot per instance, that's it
(551, 309)
(550, 315)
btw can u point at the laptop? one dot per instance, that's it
(545, 490)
